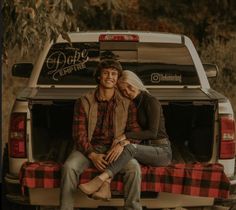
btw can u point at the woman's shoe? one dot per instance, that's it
(91, 186)
(104, 193)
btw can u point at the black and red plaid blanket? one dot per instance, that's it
(208, 180)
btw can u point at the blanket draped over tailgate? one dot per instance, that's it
(196, 179)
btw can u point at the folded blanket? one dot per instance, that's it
(198, 179)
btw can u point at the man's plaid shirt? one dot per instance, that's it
(104, 132)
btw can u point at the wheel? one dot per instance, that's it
(6, 204)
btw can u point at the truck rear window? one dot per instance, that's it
(155, 63)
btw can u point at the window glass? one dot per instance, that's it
(67, 64)
(156, 64)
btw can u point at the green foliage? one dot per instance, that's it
(222, 54)
(101, 14)
(203, 20)
(29, 24)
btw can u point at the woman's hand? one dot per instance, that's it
(114, 153)
(98, 161)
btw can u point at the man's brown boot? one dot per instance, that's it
(104, 193)
(91, 186)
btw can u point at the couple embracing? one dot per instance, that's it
(115, 127)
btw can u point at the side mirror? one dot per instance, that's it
(211, 70)
(22, 69)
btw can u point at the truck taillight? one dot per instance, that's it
(17, 138)
(227, 145)
(119, 37)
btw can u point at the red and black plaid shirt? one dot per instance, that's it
(104, 132)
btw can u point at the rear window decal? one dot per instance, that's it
(158, 77)
(60, 64)
(75, 64)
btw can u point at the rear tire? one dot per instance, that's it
(6, 204)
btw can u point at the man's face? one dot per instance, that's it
(108, 78)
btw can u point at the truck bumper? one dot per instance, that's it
(230, 202)
(12, 190)
(50, 197)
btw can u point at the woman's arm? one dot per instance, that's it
(132, 124)
(152, 113)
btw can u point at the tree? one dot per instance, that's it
(223, 55)
(102, 14)
(29, 24)
(202, 20)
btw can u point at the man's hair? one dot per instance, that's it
(105, 64)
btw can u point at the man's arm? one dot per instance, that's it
(80, 129)
(80, 135)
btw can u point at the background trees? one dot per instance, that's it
(29, 24)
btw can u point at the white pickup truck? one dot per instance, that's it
(199, 120)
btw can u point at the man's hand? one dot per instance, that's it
(114, 153)
(98, 160)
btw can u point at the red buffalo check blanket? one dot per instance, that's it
(196, 179)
